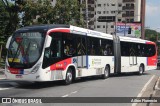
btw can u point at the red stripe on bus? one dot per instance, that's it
(59, 30)
(152, 61)
(61, 65)
(14, 70)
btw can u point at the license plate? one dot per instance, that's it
(19, 76)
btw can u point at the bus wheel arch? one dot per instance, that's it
(141, 69)
(70, 75)
(106, 72)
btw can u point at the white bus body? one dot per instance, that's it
(53, 62)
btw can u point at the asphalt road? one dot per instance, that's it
(125, 85)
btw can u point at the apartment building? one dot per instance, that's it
(109, 12)
(104, 15)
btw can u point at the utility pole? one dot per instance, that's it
(143, 3)
(87, 14)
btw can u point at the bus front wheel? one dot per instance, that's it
(106, 72)
(69, 77)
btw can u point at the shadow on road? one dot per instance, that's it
(128, 74)
(41, 85)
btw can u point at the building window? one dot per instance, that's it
(98, 12)
(103, 26)
(119, 20)
(99, 5)
(113, 12)
(112, 26)
(132, 20)
(113, 4)
(105, 12)
(119, 5)
(98, 26)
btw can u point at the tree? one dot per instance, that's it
(152, 36)
(42, 12)
(37, 12)
(4, 20)
(9, 20)
(68, 12)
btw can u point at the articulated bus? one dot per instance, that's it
(66, 52)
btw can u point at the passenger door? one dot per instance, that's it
(81, 51)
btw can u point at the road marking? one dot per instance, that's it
(65, 96)
(74, 92)
(144, 88)
(69, 94)
(5, 88)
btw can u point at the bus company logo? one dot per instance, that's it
(6, 100)
(74, 60)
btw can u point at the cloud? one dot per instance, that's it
(152, 10)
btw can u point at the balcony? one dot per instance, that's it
(128, 7)
(125, 1)
(128, 15)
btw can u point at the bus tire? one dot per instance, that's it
(141, 70)
(69, 77)
(106, 73)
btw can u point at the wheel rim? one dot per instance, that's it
(141, 70)
(106, 72)
(69, 77)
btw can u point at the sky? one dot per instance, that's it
(153, 14)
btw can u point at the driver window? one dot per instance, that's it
(55, 47)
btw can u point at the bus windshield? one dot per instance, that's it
(25, 49)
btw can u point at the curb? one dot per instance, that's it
(149, 91)
(157, 86)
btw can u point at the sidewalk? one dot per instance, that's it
(156, 93)
(2, 76)
(1, 71)
(152, 92)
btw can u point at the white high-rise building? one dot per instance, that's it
(108, 12)
(103, 14)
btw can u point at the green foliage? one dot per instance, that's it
(8, 19)
(152, 36)
(42, 12)
(4, 20)
(68, 12)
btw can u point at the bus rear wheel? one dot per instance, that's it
(141, 69)
(69, 77)
(106, 73)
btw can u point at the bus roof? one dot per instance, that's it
(42, 27)
(80, 30)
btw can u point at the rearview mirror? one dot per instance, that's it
(48, 41)
(8, 42)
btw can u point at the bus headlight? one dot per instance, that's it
(35, 69)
